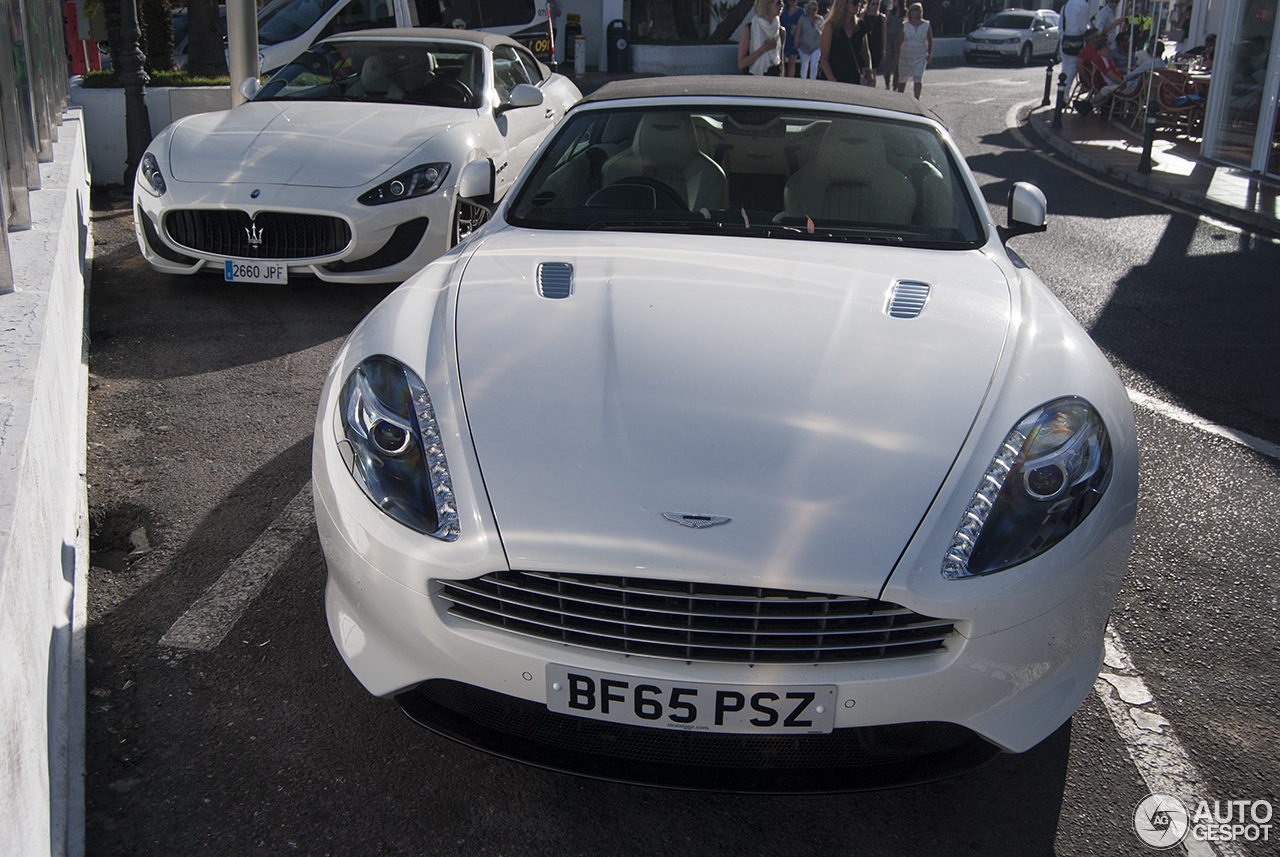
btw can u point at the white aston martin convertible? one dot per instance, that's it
(344, 165)
(736, 452)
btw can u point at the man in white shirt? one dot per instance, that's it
(1075, 20)
(1107, 20)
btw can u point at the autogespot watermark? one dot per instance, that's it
(1162, 821)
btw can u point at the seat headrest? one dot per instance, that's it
(852, 148)
(665, 139)
(375, 73)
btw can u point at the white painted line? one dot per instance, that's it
(1161, 760)
(214, 614)
(1177, 414)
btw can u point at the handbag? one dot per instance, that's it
(1072, 45)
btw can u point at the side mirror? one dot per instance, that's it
(476, 180)
(1028, 211)
(249, 88)
(524, 95)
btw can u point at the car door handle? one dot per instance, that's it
(550, 114)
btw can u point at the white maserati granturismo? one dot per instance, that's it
(736, 452)
(344, 165)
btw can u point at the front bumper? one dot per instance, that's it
(389, 243)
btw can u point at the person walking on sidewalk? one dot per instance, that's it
(892, 29)
(844, 44)
(1075, 20)
(915, 49)
(760, 45)
(809, 40)
(790, 52)
(874, 25)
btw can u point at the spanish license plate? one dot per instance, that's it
(255, 272)
(795, 709)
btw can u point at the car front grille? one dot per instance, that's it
(269, 235)
(694, 621)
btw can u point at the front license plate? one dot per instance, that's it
(255, 272)
(797, 709)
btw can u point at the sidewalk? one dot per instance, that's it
(1178, 171)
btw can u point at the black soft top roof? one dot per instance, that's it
(752, 86)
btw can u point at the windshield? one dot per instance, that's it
(1010, 22)
(438, 74)
(763, 172)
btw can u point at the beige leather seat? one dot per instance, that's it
(375, 78)
(850, 179)
(665, 148)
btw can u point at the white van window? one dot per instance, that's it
(359, 15)
(287, 19)
(475, 14)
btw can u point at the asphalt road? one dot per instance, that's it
(202, 403)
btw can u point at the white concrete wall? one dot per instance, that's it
(685, 59)
(43, 516)
(104, 119)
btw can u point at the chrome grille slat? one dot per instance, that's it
(907, 299)
(876, 614)
(693, 621)
(778, 596)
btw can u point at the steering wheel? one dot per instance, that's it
(664, 192)
(447, 92)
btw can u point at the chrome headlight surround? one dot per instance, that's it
(391, 446)
(419, 181)
(152, 178)
(1048, 475)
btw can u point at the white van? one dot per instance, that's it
(286, 28)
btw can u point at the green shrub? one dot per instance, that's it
(108, 80)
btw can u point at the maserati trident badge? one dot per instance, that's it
(696, 521)
(254, 234)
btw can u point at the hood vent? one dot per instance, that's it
(907, 299)
(555, 280)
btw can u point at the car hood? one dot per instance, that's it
(756, 380)
(996, 33)
(317, 144)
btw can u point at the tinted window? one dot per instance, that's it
(475, 14)
(1011, 22)
(508, 71)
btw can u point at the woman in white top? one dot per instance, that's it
(760, 45)
(915, 48)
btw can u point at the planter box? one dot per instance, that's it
(103, 111)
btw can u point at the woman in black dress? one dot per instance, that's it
(844, 45)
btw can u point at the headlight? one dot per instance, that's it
(1013, 41)
(153, 178)
(1049, 473)
(419, 181)
(391, 445)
